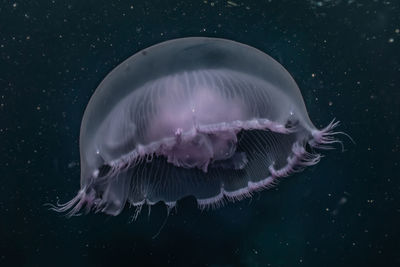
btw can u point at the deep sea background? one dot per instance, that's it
(345, 211)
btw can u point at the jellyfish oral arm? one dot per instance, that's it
(200, 149)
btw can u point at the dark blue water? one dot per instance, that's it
(345, 211)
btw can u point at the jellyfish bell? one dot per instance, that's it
(204, 117)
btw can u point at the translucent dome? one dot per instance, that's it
(203, 117)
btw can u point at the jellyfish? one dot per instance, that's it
(204, 117)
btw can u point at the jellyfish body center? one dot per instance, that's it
(203, 150)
